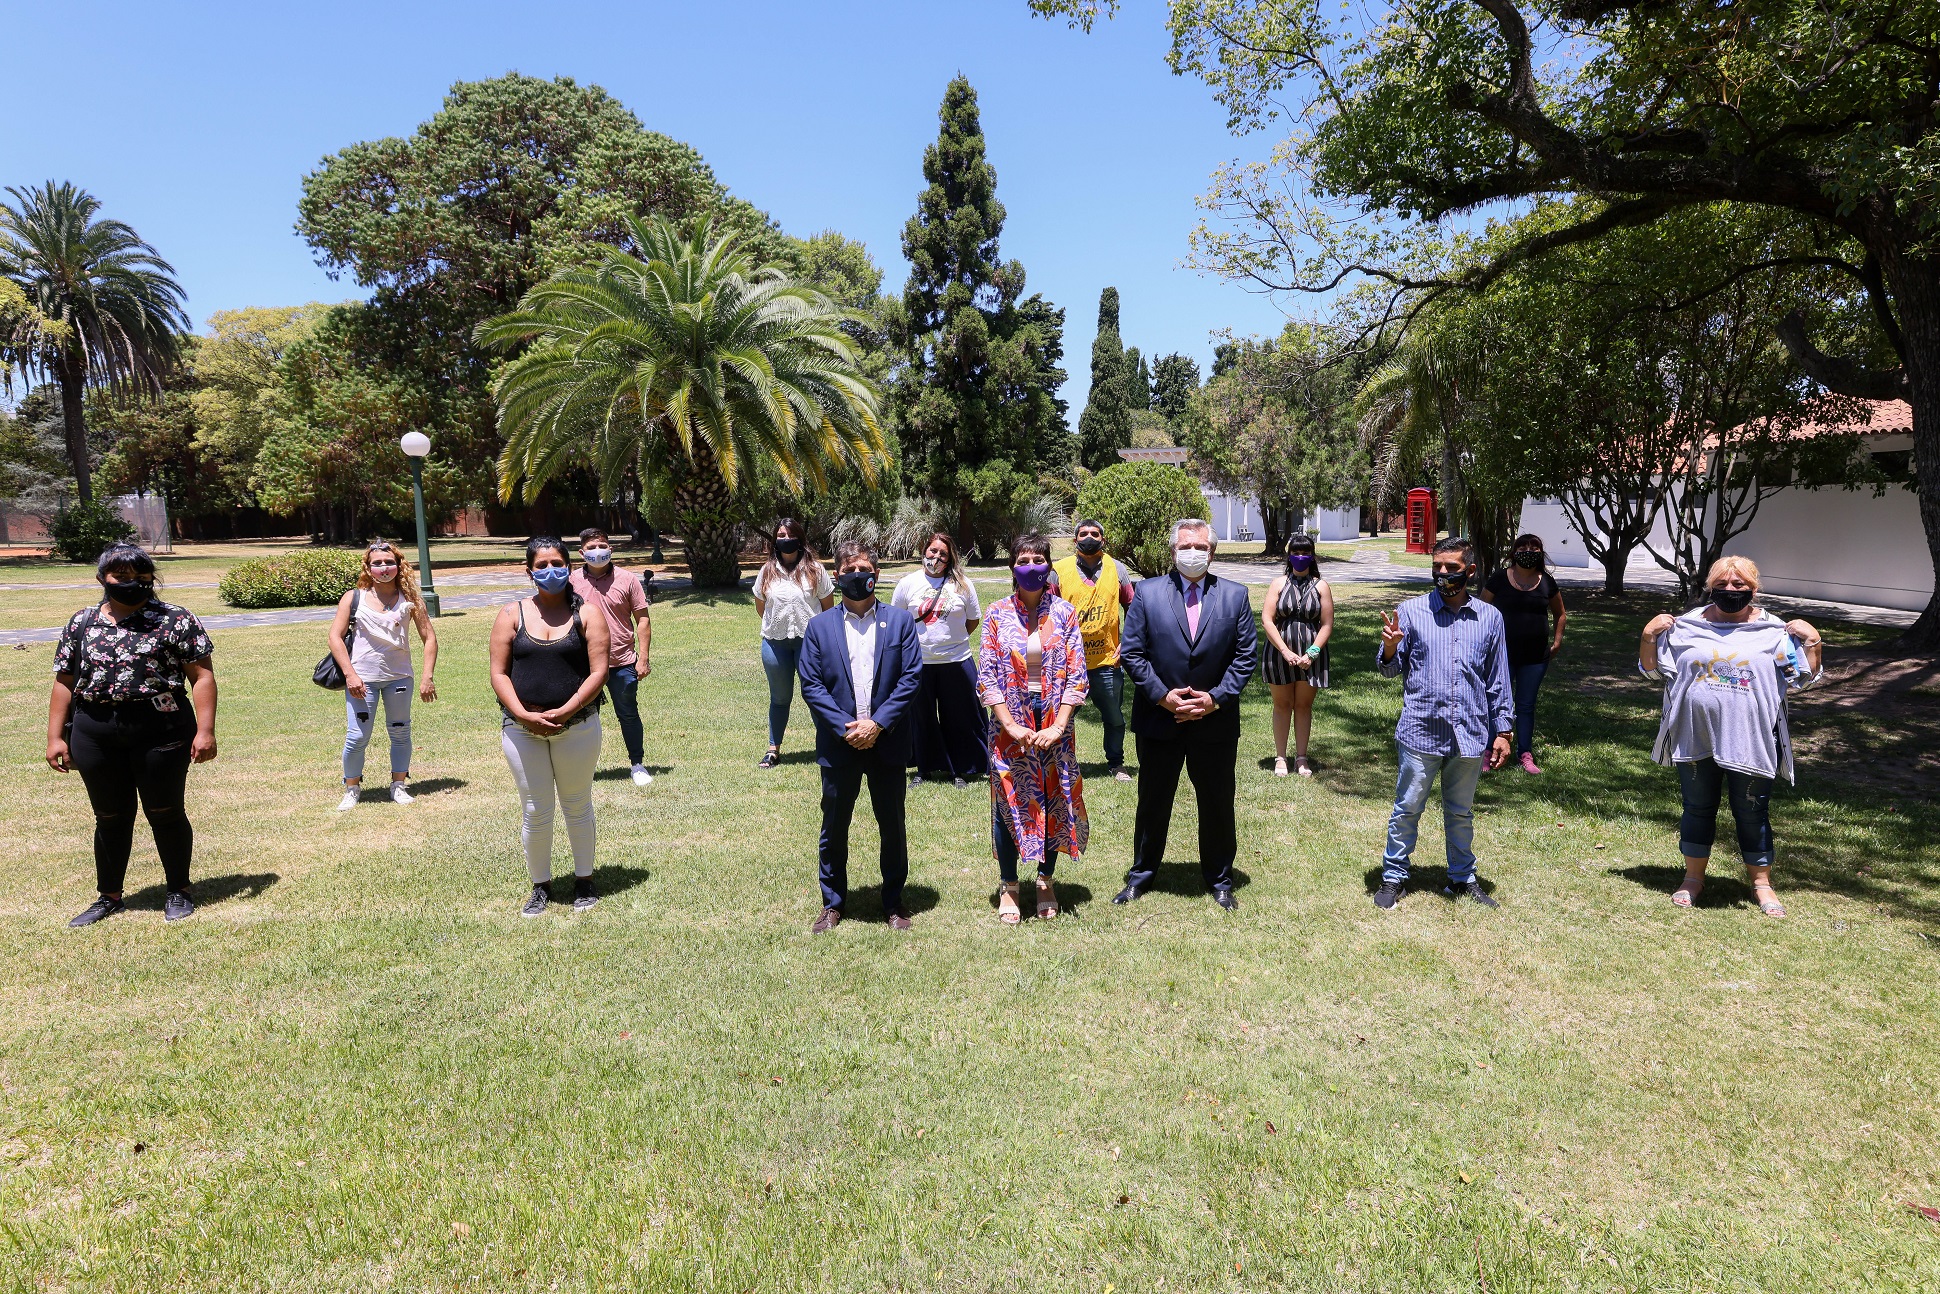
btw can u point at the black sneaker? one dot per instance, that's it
(536, 905)
(915, 781)
(959, 783)
(1388, 895)
(177, 906)
(1470, 890)
(99, 910)
(583, 896)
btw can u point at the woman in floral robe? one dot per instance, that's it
(1031, 673)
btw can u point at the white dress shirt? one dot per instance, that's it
(860, 633)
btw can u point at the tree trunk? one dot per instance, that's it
(1917, 296)
(704, 508)
(74, 418)
(1615, 559)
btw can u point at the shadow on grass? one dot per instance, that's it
(1184, 879)
(618, 879)
(431, 786)
(1718, 892)
(1423, 879)
(865, 902)
(207, 890)
(626, 774)
(1071, 897)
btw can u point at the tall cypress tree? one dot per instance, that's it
(976, 403)
(1105, 426)
(1174, 378)
(1138, 381)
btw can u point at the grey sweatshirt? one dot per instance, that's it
(1724, 694)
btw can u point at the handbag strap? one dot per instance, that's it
(350, 627)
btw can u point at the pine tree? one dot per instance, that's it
(1105, 426)
(1174, 379)
(976, 403)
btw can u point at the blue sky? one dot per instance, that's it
(197, 122)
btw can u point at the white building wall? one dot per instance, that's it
(1843, 546)
(1835, 544)
(1335, 524)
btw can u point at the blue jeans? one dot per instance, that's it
(1704, 784)
(778, 659)
(360, 716)
(1523, 682)
(1108, 694)
(623, 685)
(1459, 775)
(1007, 855)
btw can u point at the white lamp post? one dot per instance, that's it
(416, 445)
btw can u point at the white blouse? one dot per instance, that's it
(788, 607)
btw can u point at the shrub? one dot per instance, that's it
(309, 578)
(1137, 503)
(80, 531)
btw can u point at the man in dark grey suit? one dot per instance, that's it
(1189, 646)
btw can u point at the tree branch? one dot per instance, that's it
(1840, 376)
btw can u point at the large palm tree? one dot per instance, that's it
(114, 304)
(682, 358)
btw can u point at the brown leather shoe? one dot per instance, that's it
(899, 919)
(829, 920)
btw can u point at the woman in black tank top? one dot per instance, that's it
(548, 669)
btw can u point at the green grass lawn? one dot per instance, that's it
(357, 1068)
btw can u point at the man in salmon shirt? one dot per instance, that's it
(621, 595)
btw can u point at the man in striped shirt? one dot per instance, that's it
(1456, 715)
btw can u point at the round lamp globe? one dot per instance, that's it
(415, 444)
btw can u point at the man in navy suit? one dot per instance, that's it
(1189, 647)
(860, 665)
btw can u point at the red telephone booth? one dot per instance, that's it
(1421, 520)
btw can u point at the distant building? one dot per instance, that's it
(1236, 518)
(1814, 541)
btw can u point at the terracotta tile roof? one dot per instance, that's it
(1889, 418)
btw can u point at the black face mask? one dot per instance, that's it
(128, 593)
(1451, 581)
(1528, 559)
(1091, 546)
(788, 547)
(1731, 600)
(856, 585)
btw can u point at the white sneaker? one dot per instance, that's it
(399, 795)
(351, 794)
(641, 777)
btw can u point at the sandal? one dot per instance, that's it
(1303, 766)
(1007, 909)
(1768, 901)
(1047, 897)
(1685, 895)
(1279, 766)
(770, 759)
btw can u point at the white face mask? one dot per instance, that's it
(1192, 562)
(936, 565)
(596, 556)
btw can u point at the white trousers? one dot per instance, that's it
(561, 765)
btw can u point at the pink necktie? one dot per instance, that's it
(1192, 610)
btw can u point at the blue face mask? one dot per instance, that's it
(552, 579)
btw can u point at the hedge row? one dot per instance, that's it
(312, 578)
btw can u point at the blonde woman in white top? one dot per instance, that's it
(374, 653)
(789, 589)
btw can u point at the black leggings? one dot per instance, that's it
(129, 751)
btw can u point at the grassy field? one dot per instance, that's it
(356, 1068)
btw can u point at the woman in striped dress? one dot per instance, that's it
(1299, 622)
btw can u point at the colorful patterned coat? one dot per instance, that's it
(1038, 795)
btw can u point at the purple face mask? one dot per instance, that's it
(1300, 563)
(1032, 577)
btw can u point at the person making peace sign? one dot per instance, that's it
(1456, 713)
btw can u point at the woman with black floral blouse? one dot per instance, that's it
(121, 714)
